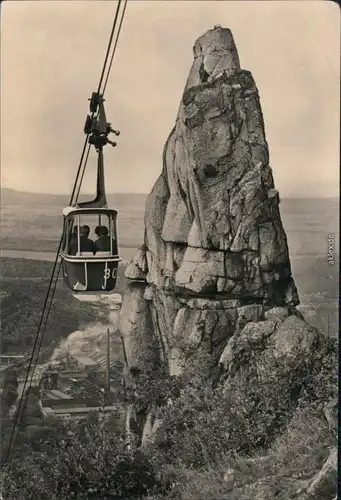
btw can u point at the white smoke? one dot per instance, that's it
(80, 342)
(85, 341)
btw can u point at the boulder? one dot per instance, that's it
(324, 483)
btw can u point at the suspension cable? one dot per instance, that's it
(23, 399)
(115, 46)
(82, 174)
(109, 45)
(78, 172)
(76, 189)
(106, 78)
(45, 323)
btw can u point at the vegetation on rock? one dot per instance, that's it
(260, 440)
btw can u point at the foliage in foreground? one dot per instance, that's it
(87, 461)
(279, 416)
(296, 455)
(205, 431)
(206, 421)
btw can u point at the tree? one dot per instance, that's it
(88, 462)
(9, 392)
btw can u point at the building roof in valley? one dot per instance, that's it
(101, 359)
(78, 410)
(84, 360)
(56, 394)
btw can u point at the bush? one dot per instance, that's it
(205, 423)
(222, 434)
(296, 455)
(88, 462)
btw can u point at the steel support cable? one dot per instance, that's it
(45, 323)
(78, 171)
(22, 402)
(115, 46)
(83, 171)
(46, 318)
(109, 45)
(106, 79)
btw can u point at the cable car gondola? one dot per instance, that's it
(91, 266)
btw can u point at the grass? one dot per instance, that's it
(297, 455)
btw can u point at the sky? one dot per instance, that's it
(52, 53)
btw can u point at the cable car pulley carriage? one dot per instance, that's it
(88, 265)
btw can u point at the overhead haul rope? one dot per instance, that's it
(107, 76)
(54, 278)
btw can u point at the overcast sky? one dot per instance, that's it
(52, 54)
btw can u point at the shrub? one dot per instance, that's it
(9, 392)
(294, 457)
(244, 416)
(88, 462)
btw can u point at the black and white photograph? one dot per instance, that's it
(169, 249)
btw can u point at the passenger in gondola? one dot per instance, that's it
(86, 243)
(103, 242)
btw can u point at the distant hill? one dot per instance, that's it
(34, 222)
(24, 199)
(26, 217)
(11, 197)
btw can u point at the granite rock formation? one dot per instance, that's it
(215, 254)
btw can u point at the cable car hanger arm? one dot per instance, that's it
(98, 129)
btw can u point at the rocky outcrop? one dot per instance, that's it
(215, 259)
(325, 481)
(276, 335)
(322, 485)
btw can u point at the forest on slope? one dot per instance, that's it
(24, 287)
